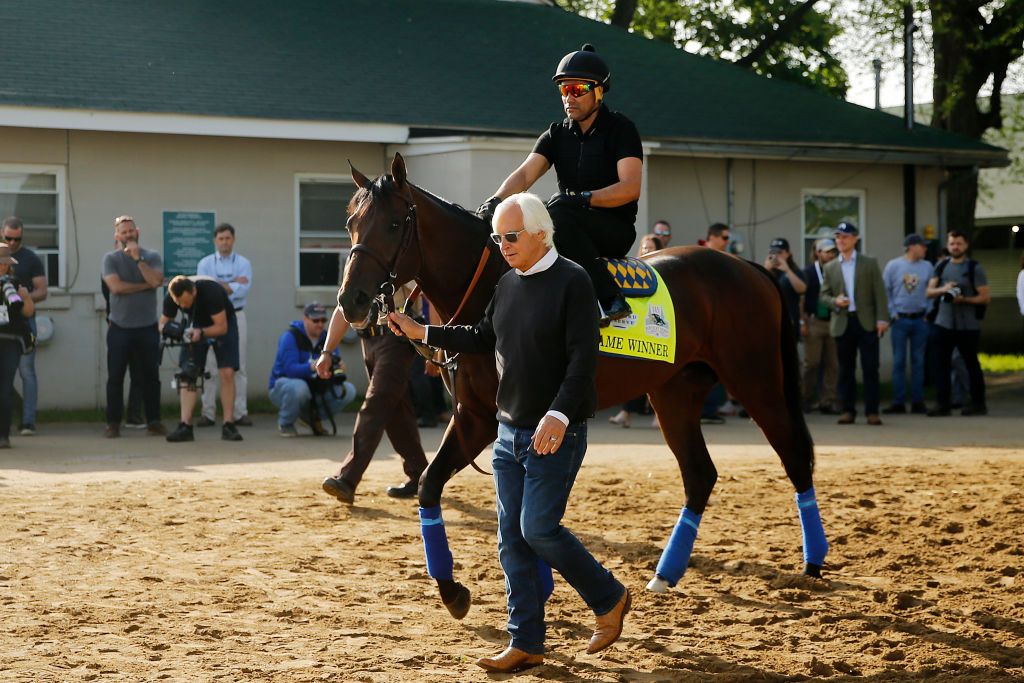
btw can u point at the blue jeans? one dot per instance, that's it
(292, 397)
(29, 382)
(915, 332)
(532, 493)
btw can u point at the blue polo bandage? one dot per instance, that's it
(545, 579)
(676, 556)
(815, 543)
(435, 544)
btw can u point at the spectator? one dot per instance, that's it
(210, 321)
(960, 287)
(295, 388)
(783, 268)
(234, 273)
(819, 346)
(854, 290)
(663, 231)
(386, 408)
(426, 388)
(133, 275)
(906, 284)
(28, 268)
(16, 337)
(133, 407)
(717, 237)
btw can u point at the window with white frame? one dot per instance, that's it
(35, 195)
(323, 241)
(823, 210)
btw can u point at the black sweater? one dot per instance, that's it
(543, 331)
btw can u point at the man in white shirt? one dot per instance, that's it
(234, 273)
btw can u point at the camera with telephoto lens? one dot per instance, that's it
(12, 299)
(952, 294)
(174, 333)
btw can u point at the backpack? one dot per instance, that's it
(979, 309)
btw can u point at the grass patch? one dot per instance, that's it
(999, 364)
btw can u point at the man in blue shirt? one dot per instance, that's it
(234, 273)
(906, 285)
(293, 376)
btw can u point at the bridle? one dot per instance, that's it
(385, 298)
(385, 301)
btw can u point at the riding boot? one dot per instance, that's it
(615, 308)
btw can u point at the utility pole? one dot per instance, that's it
(909, 170)
(877, 65)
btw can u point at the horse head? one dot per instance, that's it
(382, 224)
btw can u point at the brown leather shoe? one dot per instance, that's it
(846, 419)
(874, 420)
(609, 626)
(510, 661)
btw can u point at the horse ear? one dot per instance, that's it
(398, 171)
(359, 178)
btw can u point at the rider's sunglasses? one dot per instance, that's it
(510, 237)
(577, 90)
(7, 238)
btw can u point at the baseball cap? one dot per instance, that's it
(913, 239)
(825, 244)
(846, 228)
(315, 310)
(779, 243)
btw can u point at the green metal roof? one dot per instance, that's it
(455, 65)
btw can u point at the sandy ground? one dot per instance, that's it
(137, 560)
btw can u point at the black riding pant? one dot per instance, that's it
(583, 235)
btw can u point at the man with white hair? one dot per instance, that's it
(542, 326)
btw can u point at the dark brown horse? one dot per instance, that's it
(732, 327)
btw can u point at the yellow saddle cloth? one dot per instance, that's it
(650, 330)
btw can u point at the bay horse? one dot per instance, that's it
(732, 327)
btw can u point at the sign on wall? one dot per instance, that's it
(188, 237)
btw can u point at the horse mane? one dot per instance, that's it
(383, 185)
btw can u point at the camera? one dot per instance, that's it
(11, 297)
(952, 294)
(174, 333)
(337, 372)
(189, 375)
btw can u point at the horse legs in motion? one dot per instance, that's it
(755, 383)
(475, 432)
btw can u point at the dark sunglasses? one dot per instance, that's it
(318, 320)
(577, 90)
(11, 239)
(510, 237)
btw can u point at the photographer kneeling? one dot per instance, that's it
(16, 307)
(295, 387)
(209, 320)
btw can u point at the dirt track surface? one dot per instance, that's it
(139, 560)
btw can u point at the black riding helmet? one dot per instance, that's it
(584, 64)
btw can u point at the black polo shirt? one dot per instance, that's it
(587, 161)
(210, 299)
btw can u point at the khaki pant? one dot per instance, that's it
(820, 352)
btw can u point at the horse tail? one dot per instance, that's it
(791, 375)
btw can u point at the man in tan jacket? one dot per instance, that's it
(854, 290)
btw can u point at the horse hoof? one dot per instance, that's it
(459, 606)
(812, 570)
(658, 585)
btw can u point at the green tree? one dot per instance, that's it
(786, 39)
(972, 49)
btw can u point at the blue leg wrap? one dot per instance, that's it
(546, 579)
(435, 544)
(815, 543)
(676, 556)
